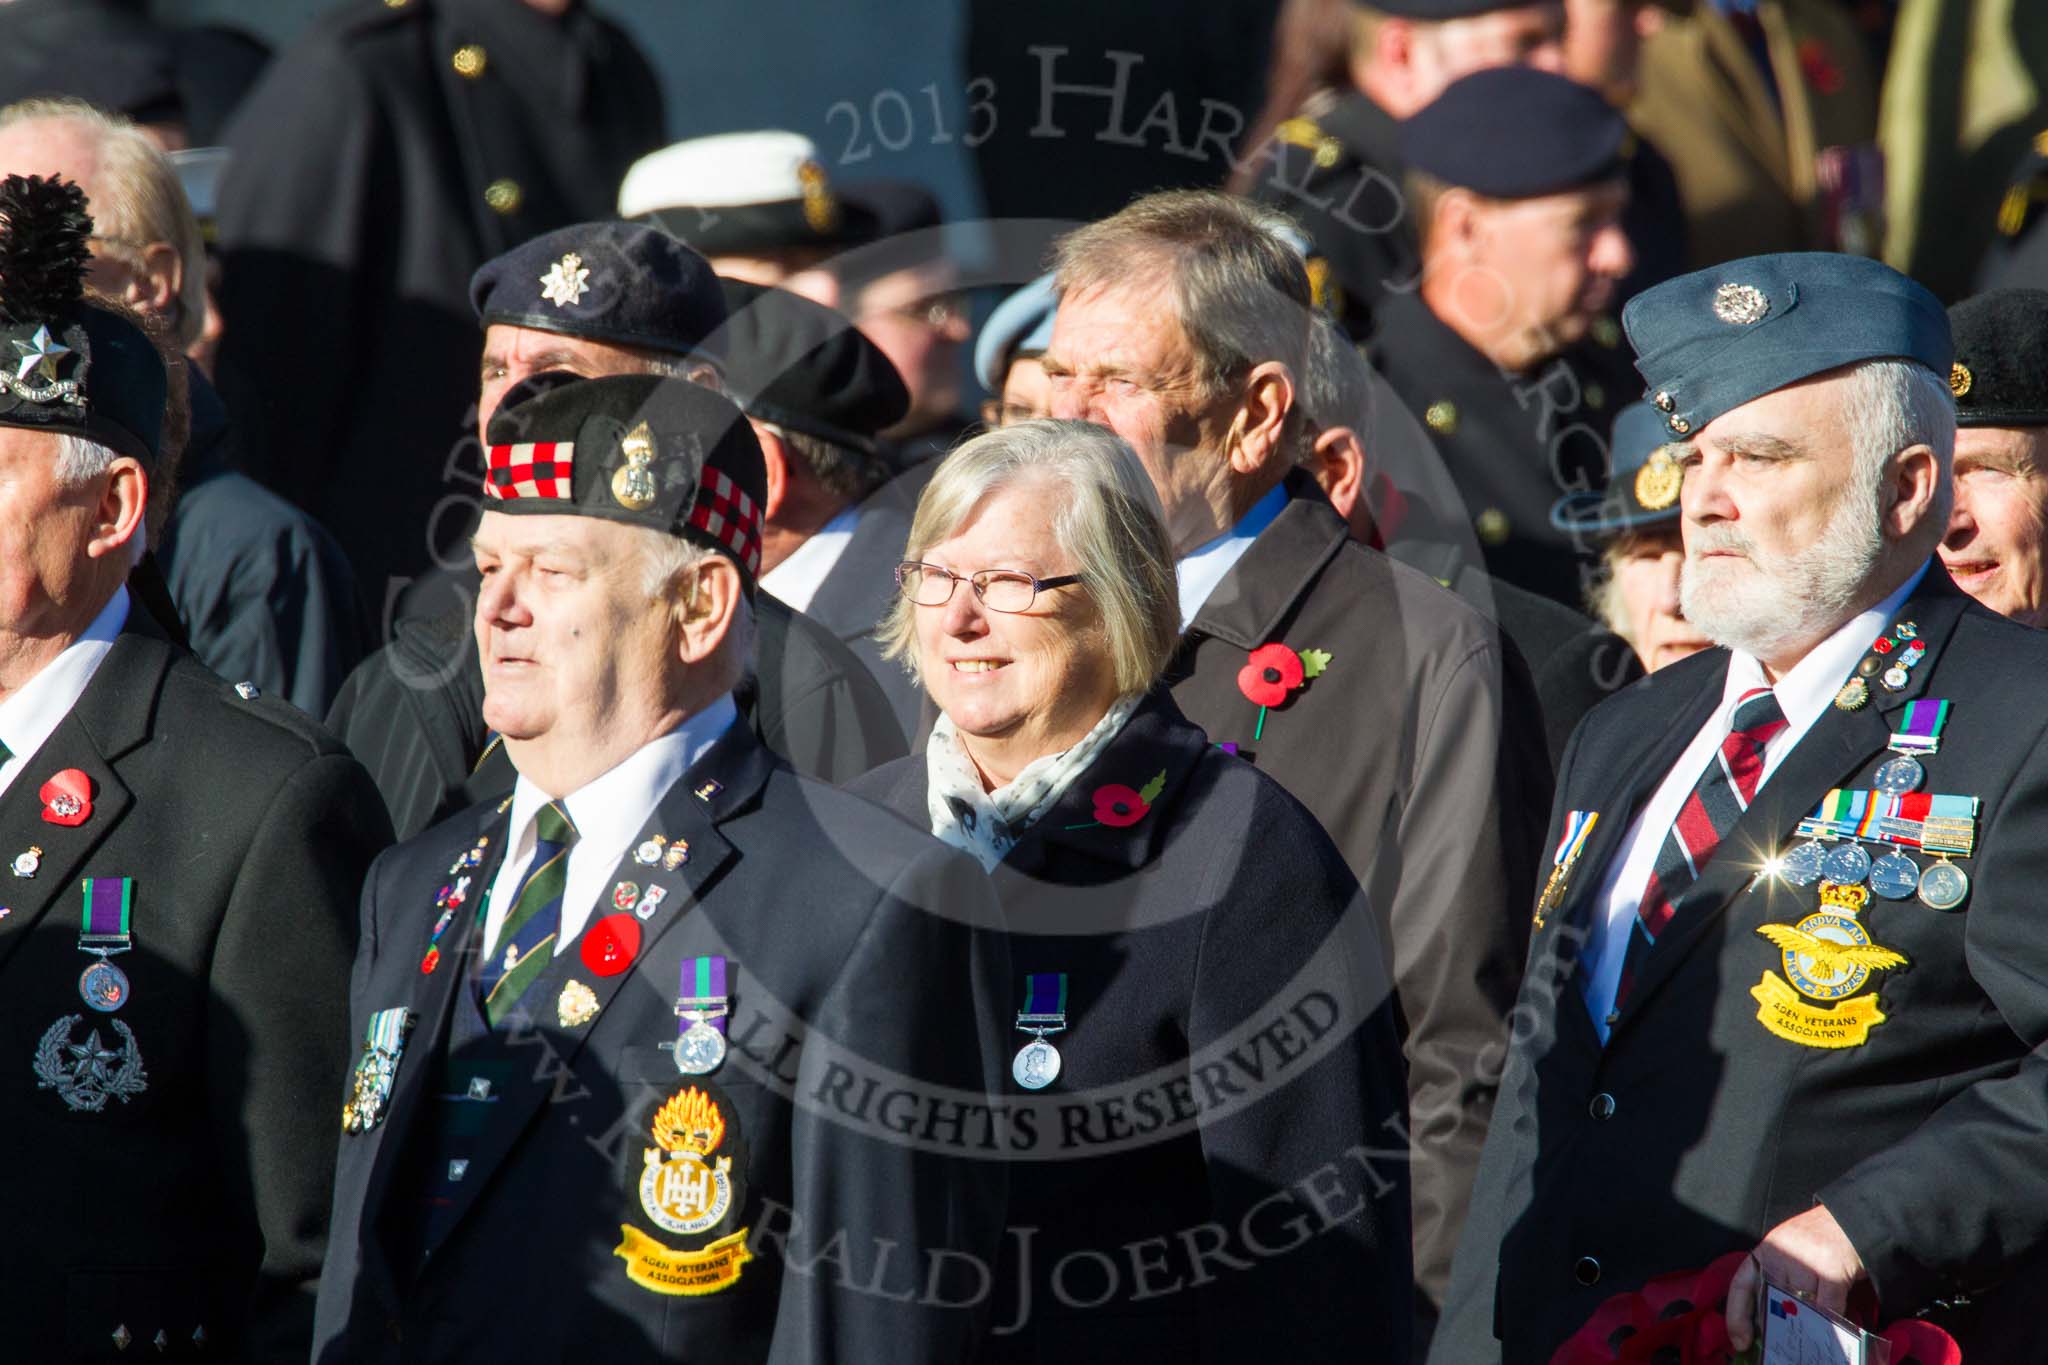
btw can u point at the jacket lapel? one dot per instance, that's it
(1829, 755)
(739, 767)
(435, 995)
(110, 719)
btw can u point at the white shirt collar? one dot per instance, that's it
(796, 580)
(1202, 569)
(29, 716)
(1808, 687)
(608, 812)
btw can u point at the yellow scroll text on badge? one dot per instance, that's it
(1780, 1010)
(665, 1270)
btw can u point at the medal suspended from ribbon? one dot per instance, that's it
(1037, 1063)
(1920, 734)
(1578, 826)
(103, 931)
(703, 1000)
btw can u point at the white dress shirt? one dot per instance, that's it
(1804, 694)
(1201, 570)
(796, 580)
(608, 813)
(29, 716)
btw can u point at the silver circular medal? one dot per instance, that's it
(103, 986)
(1036, 1065)
(1894, 678)
(700, 1049)
(1845, 863)
(1894, 876)
(1801, 866)
(1944, 886)
(1898, 775)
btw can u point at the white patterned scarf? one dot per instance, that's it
(987, 824)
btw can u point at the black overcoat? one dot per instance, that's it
(1231, 1077)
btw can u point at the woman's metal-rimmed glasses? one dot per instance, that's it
(1006, 590)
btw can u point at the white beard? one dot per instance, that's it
(1778, 601)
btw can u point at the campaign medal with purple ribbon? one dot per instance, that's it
(1037, 1063)
(703, 999)
(1920, 735)
(103, 931)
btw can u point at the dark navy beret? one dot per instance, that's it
(799, 364)
(1717, 338)
(638, 449)
(1642, 485)
(1514, 132)
(2000, 375)
(624, 283)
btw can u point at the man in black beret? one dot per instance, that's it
(593, 1117)
(1338, 171)
(1518, 181)
(183, 859)
(820, 394)
(1996, 548)
(585, 301)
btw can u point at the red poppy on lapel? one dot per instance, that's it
(1119, 806)
(1273, 671)
(67, 798)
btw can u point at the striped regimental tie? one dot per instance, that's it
(525, 944)
(1718, 800)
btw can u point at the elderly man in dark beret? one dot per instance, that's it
(596, 1114)
(182, 862)
(1518, 179)
(1997, 543)
(586, 301)
(1785, 996)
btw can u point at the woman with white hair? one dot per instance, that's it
(1206, 1129)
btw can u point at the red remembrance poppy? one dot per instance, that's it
(1272, 672)
(67, 797)
(1118, 806)
(1921, 1343)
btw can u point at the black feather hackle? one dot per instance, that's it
(43, 247)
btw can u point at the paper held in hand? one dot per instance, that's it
(1799, 1333)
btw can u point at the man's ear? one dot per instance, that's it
(775, 460)
(1911, 490)
(157, 284)
(709, 608)
(1261, 420)
(1338, 461)
(118, 513)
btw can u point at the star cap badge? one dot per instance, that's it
(39, 356)
(564, 284)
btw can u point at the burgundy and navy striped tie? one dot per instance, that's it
(1718, 800)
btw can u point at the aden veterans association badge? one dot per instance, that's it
(1827, 956)
(690, 1183)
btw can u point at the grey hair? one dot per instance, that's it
(1336, 390)
(668, 568)
(135, 199)
(1105, 517)
(1891, 405)
(1238, 289)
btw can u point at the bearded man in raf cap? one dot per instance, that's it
(1785, 995)
(180, 861)
(609, 1024)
